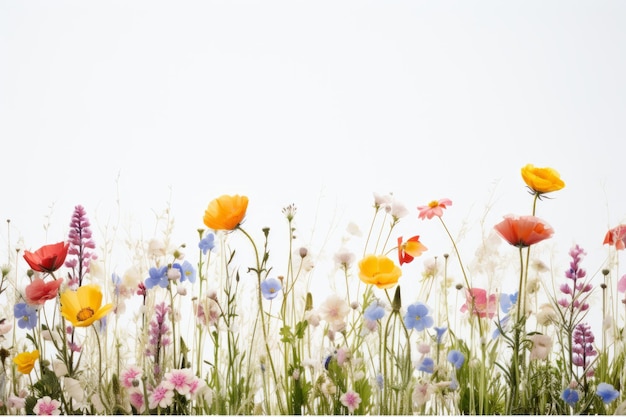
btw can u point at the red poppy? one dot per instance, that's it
(48, 258)
(410, 249)
(522, 231)
(39, 291)
(616, 237)
(483, 306)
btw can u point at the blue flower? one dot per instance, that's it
(607, 392)
(427, 365)
(440, 331)
(270, 288)
(187, 272)
(117, 282)
(456, 358)
(374, 312)
(417, 317)
(157, 277)
(507, 301)
(570, 396)
(207, 243)
(26, 315)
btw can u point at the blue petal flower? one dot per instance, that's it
(427, 365)
(417, 317)
(158, 276)
(570, 396)
(26, 315)
(270, 288)
(507, 301)
(187, 271)
(607, 392)
(440, 332)
(374, 312)
(207, 243)
(456, 358)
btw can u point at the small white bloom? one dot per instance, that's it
(73, 388)
(59, 368)
(156, 248)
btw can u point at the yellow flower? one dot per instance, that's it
(25, 361)
(84, 306)
(542, 180)
(226, 212)
(379, 271)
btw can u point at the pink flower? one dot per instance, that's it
(39, 291)
(434, 208)
(136, 400)
(181, 380)
(482, 306)
(621, 284)
(130, 377)
(46, 406)
(162, 395)
(351, 400)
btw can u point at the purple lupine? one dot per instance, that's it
(80, 252)
(576, 290)
(159, 336)
(582, 347)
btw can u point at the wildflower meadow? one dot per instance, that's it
(223, 324)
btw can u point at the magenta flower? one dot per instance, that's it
(582, 346)
(434, 208)
(81, 246)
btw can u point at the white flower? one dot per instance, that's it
(344, 258)
(73, 388)
(354, 229)
(546, 315)
(382, 200)
(156, 248)
(334, 312)
(542, 345)
(398, 210)
(59, 368)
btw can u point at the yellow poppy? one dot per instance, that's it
(25, 361)
(84, 306)
(226, 212)
(542, 180)
(379, 271)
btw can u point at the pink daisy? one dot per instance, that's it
(434, 208)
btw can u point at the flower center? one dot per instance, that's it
(433, 204)
(84, 314)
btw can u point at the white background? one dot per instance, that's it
(128, 106)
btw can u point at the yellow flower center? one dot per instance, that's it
(433, 204)
(84, 314)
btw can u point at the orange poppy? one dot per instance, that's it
(523, 231)
(226, 212)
